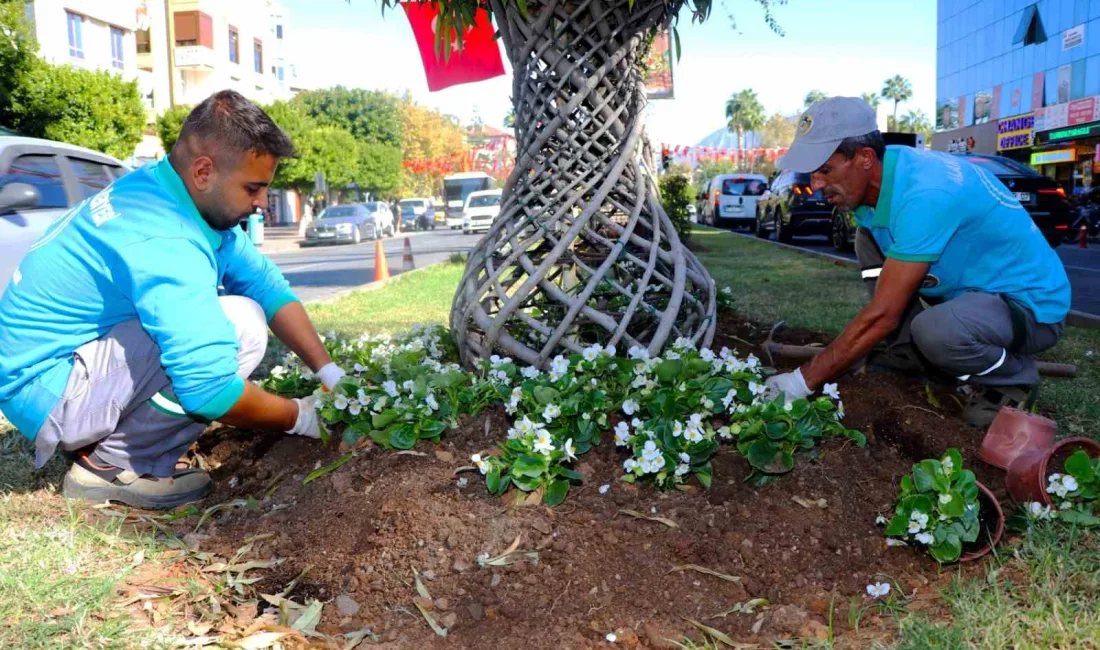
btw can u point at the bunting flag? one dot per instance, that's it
(479, 58)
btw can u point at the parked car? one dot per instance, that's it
(792, 208)
(693, 214)
(1044, 198)
(731, 199)
(350, 224)
(39, 181)
(844, 230)
(480, 209)
(417, 214)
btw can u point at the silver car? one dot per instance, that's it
(39, 181)
(350, 224)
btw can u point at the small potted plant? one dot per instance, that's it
(1013, 433)
(942, 507)
(1029, 474)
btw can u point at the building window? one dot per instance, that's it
(117, 60)
(142, 39)
(1030, 30)
(258, 55)
(194, 28)
(279, 74)
(234, 45)
(278, 31)
(76, 36)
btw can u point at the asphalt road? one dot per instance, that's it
(321, 272)
(1082, 267)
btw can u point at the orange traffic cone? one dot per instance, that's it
(381, 268)
(407, 263)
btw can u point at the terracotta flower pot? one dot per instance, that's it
(1027, 475)
(988, 509)
(1014, 432)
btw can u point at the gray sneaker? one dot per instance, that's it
(146, 492)
(985, 403)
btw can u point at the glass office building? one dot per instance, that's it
(1021, 78)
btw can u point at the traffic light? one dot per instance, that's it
(666, 158)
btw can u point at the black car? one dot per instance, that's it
(844, 230)
(792, 207)
(1044, 198)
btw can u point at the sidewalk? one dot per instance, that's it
(280, 239)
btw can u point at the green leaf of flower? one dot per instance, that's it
(529, 465)
(924, 475)
(1080, 466)
(555, 493)
(403, 437)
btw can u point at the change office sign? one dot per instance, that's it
(1015, 132)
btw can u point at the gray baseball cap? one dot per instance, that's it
(821, 129)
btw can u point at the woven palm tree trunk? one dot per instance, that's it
(582, 252)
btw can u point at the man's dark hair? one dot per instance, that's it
(849, 147)
(225, 126)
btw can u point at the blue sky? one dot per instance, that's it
(837, 46)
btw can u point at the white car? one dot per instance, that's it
(39, 181)
(480, 209)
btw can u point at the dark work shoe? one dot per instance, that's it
(145, 491)
(901, 358)
(986, 402)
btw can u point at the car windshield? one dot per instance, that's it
(339, 211)
(484, 201)
(458, 189)
(743, 187)
(1002, 166)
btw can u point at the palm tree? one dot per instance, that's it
(915, 122)
(744, 112)
(898, 89)
(872, 100)
(813, 97)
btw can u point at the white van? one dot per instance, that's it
(730, 200)
(480, 209)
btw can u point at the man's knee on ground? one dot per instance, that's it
(939, 336)
(250, 323)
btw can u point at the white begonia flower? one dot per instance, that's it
(724, 433)
(431, 402)
(706, 354)
(409, 386)
(362, 396)
(880, 520)
(307, 374)
(390, 387)
(586, 416)
(494, 361)
(1040, 511)
(544, 443)
(918, 521)
(840, 410)
(677, 428)
(683, 343)
(1069, 483)
(1066, 505)
(559, 365)
(830, 390)
(591, 353)
(359, 368)
(757, 389)
(340, 402)
(636, 423)
(788, 407)
(622, 434)
(925, 538)
(530, 372)
(650, 451)
(948, 465)
(681, 469)
(682, 387)
(639, 382)
(570, 450)
(354, 407)
(707, 404)
(684, 457)
(672, 355)
(278, 372)
(752, 362)
(593, 382)
(514, 434)
(728, 399)
(630, 407)
(638, 352)
(945, 499)
(878, 590)
(693, 435)
(481, 463)
(630, 465)
(499, 375)
(550, 412)
(604, 488)
(610, 350)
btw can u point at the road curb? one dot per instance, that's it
(373, 286)
(1075, 318)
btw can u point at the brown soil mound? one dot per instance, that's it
(365, 527)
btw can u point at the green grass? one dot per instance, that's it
(421, 297)
(772, 284)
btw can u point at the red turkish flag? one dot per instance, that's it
(479, 58)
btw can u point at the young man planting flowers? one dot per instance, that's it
(968, 282)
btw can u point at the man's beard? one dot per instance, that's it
(221, 220)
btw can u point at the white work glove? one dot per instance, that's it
(790, 384)
(330, 374)
(307, 424)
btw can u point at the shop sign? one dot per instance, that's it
(1081, 111)
(1054, 157)
(1069, 133)
(1015, 132)
(1073, 37)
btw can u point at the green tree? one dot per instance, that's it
(676, 197)
(93, 109)
(813, 97)
(916, 122)
(510, 119)
(778, 131)
(17, 58)
(169, 125)
(872, 99)
(379, 168)
(897, 89)
(369, 115)
(744, 112)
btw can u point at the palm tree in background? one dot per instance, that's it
(872, 99)
(915, 122)
(898, 89)
(744, 112)
(813, 97)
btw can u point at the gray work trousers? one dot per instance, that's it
(970, 336)
(119, 398)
